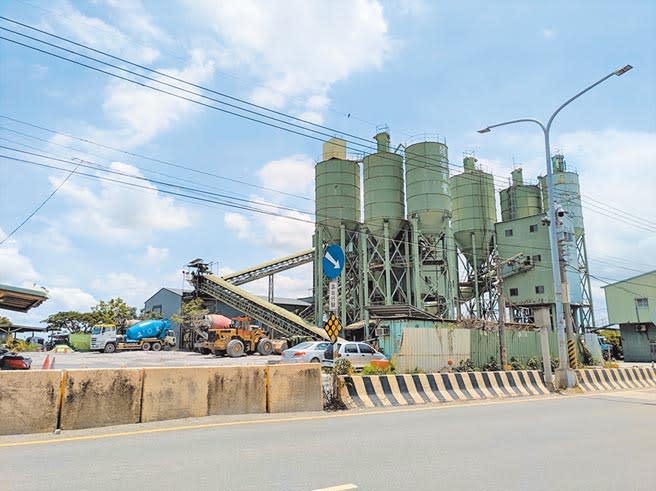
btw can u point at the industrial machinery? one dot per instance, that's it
(239, 338)
(146, 335)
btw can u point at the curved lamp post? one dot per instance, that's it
(564, 375)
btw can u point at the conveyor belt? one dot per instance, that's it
(277, 318)
(271, 267)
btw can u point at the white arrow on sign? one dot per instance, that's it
(332, 260)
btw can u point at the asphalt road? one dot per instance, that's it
(597, 442)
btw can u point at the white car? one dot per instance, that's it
(359, 354)
(308, 352)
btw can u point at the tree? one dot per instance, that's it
(71, 321)
(149, 314)
(190, 311)
(114, 311)
(5, 322)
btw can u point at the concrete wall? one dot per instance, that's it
(29, 401)
(236, 390)
(173, 393)
(101, 397)
(294, 387)
(38, 401)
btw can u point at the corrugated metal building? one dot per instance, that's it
(631, 303)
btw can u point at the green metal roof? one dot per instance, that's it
(21, 299)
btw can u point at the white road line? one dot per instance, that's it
(341, 487)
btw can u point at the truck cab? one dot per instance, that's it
(101, 334)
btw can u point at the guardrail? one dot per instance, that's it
(410, 389)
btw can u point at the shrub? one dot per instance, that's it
(533, 364)
(516, 364)
(343, 367)
(374, 370)
(465, 366)
(492, 365)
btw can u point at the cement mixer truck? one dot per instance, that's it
(145, 335)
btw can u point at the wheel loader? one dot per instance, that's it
(238, 339)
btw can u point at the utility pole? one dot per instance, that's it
(567, 309)
(503, 356)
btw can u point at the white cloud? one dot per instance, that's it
(97, 33)
(239, 223)
(140, 113)
(295, 48)
(70, 299)
(293, 174)
(156, 254)
(548, 33)
(290, 232)
(119, 213)
(15, 268)
(295, 283)
(125, 285)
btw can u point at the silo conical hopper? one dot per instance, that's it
(474, 211)
(427, 186)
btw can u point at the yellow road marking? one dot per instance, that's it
(297, 418)
(341, 487)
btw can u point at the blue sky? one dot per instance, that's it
(420, 67)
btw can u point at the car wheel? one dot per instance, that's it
(145, 346)
(156, 346)
(110, 348)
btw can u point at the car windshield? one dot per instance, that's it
(302, 346)
(96, 330)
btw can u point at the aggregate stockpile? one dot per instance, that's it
(144, 335)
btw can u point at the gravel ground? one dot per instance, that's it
(129, 359)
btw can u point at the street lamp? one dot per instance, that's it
(564, 375)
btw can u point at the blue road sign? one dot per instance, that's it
(333, 261)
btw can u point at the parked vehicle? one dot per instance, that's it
(312, 352)
(152, 334)
(239, 338)
(359, 354)
(13, 361)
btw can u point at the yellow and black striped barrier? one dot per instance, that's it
(601, 379)
(409, 389)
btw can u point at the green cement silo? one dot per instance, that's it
(567, 191)
(337, 191)
(383, 189)
(427, 186)
(520, 200)
(474, 211)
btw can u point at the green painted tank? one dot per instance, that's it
(474, 211)
(520, 200)
(568, 192)
(337, 191)
(427, 185)
(383, 189)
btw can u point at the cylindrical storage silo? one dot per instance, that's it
(520, 200)
(383, 189)
(567, 191)
(473, 211)
(337, 196)
(427, 185)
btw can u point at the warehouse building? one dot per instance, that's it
(631, 303)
